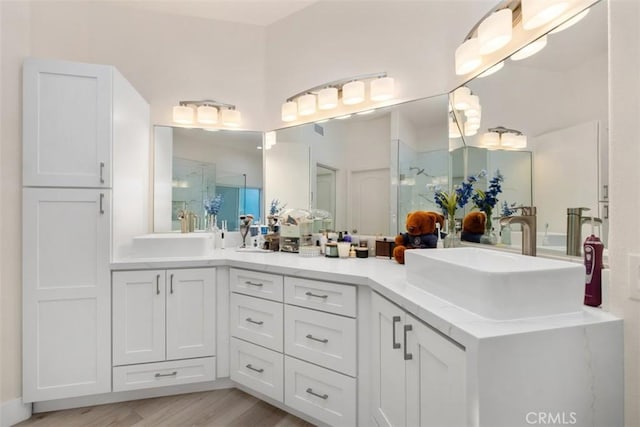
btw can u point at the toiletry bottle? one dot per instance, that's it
(593, 249)
(323, 242)
(224, 228)
(346, 237)
(439, 243)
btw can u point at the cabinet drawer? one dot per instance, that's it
(259, 369)
(256, 320)
(325, 395)
(325, 339)
(262, 285)
(150, 375)
(325, 296)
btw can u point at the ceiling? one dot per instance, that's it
(255, 12)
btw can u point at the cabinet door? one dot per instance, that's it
(388, 382)
(138, 317)
(66, 293)
(191, 309)
(436, 379)
(66, 124)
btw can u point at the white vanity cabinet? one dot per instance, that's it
(163, 315)
(418, 375)
(85, 178)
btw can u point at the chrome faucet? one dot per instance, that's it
(574, 229)
(528, 221)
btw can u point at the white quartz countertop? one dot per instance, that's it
(386, 277)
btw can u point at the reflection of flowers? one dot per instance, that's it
(275, 207)
(486, 200)
(508, 210)
(212, 207)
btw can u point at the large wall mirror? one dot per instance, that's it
(368, 170)
(558, 99)
(192, 166)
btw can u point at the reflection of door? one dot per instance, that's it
(326, 190)
(369, 191)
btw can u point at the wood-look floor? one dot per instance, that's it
(229, 407)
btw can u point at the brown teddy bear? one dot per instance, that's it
(473, 226)
(421, 233)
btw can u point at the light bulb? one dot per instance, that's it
(207, 114)
(536, 13)
(328, 98)
(289, 111)
(467, 57)
(353, 93)
(307, 104)
(530, 49)
(495, 31)
(183, 114)
(382, 89)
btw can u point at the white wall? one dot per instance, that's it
(624, 180)
(413, 41)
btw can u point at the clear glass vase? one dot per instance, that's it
(212, 222)
(489, 237)
(451, 239)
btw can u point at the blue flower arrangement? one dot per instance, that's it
(508, 209)
(213, 206)
(449, 202)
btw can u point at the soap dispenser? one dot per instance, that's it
(593, 250)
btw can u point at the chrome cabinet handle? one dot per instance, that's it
(395, 320)
(321, 396)
(248, 282)
(171, 283)
(172, 374)
(258, 370)
(101, 172)
(158, 284)
(606, 211)
(407, 356)
(322, 340)
(605, 191)
(255, 322)
(310, 294)
(101, 204)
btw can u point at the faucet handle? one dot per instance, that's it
(527, 210)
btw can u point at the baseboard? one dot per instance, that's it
(13, 411)
(122, 396)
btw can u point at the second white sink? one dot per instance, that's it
(498, 285)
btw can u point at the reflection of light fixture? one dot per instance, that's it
(571, 22)
(530, 49)
(495, 31)
(536, 13)
(461, 98)
(206, 112)
(351, 91)
(492, 70)
(454, 130)
(503, 138)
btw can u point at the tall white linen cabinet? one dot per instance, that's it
(85, 195)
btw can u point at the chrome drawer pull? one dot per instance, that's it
(255, 322)
(393, 331)
(101, 172)
(101, 204)
(323, 340)
(321, 396)
(171, 283)
(261, 370)
(172, 374)
(310, 294)
(158, 284)
(248, 282)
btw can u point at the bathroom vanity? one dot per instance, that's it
(351, 342)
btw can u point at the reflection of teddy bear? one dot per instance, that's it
(421, 233)
(473, 226)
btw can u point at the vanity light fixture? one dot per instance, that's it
(351, 91)
(503, 138)
(536, 13)
(496, 30)
(206, 112)
(492, 70)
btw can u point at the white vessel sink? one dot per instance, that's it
(498, 285)
(170, 245)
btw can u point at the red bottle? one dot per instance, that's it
(593, 249)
